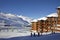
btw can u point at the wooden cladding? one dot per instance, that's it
(34, 25)
(58, 11)
(58, 20)
(47, 25)
(44, 25)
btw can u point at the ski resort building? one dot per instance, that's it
(48, 24)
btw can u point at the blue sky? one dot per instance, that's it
(30, 8)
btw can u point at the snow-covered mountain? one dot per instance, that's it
(19, 20)
(15, 20)
(25, 18)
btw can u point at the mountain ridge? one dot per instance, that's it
(11, 19)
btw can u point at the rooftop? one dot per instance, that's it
(58, 7)
(35, 20)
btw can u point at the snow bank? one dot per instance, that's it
(58, 7)
(57, 32)
(35, 20)
(19, 34)
(13, 34)
(58, 24)
(43, 18)
(44, 33)
(50, 15)
(53, 15)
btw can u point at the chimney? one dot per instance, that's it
(58, 11)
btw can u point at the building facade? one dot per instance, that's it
(50, 24)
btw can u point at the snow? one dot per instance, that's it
(12, 19)
(58, 7)
(25, 18)
(53, 15)
(58, 28)
(18, 34)
(9, 15)
(26, 33)
(58, 24)
(2, 13)
(50, 15)
(43, 18)
(35, 20)
(13, 34)
(34, 31)
(4, 33)
(44, 33)
(45, 37)
(2, 23)
(12, 16)
(57, 32)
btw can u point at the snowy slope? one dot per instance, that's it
(19, 20)
(15, 20)
(45, 37)
(25, 18)
(13, 34)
